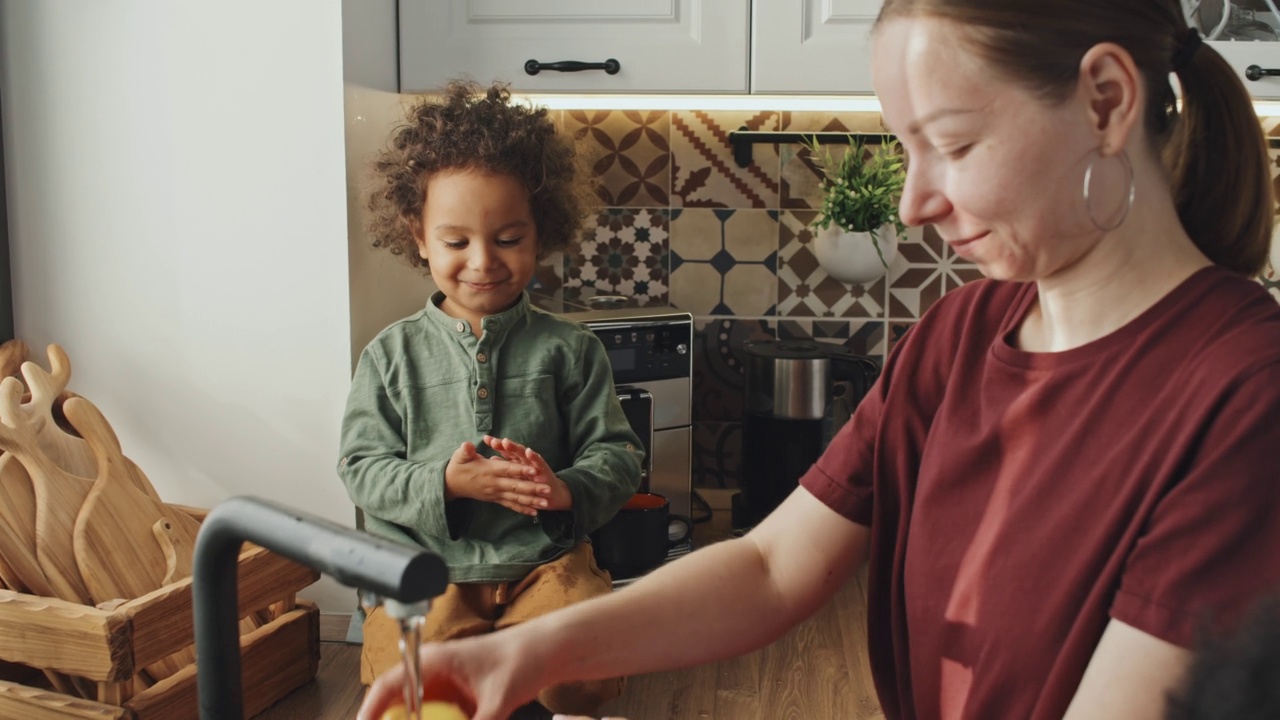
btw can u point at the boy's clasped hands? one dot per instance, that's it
(519, 479)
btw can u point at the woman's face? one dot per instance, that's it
(997, 170)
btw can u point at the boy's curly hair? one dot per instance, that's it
(468, 127)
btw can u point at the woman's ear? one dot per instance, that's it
(1111, 85)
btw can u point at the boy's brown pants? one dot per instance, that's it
(467, 609)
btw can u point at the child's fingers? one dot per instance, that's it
(466, 452)
(505, 445)
(506, 448)
(517, 458)
(537, 461)
(510, 450)
(526, 503)
(517, 507)
(533, 457)
(506, 470)
(525, 494)
(499, 444)
(529, 488)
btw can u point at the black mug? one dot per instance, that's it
(637, 539)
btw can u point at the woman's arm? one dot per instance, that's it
(1130, 677)
(719, 601)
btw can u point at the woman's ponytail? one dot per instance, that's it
(1220, 169)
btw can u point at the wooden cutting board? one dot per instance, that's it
(114, 540)
(17, 513)
(39, 513)
(8, 579)
(59, 682)
(18, 530)
(58, 500)
(177, 552)
(123, 541)
(48, 392)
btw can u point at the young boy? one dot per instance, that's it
(480, 428)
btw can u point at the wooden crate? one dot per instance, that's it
(106, 648)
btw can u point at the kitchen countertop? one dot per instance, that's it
(720, 526)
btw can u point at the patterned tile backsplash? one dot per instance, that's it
(631, 151)
(681, 223)
(805, 290)
(623, 252)
(724, 262)
(703, 172)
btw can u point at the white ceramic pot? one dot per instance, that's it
(851, 257)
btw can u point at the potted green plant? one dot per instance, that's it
(860, 196)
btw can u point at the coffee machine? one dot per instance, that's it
(799, 393)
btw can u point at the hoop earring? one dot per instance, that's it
(1088, 206)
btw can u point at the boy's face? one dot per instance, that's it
(479, 240)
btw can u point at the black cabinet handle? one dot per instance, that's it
(610, 66)
(1254, 72)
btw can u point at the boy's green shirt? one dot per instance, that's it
(427, 383)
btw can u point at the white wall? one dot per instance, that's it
(176, 188)
(383, 288)
(370, 47)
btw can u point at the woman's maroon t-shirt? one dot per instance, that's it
(1018, 501)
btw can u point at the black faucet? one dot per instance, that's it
(390, 570)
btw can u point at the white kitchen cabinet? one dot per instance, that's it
(706, 46)
(812, 46)
(1265, 55)
(660, 45)
(823, 46)
(1247, 34)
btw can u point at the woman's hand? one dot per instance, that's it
(487, 676)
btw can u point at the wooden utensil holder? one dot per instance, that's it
(108, 647)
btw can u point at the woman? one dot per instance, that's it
(1065, 470)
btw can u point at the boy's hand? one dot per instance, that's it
(495, 480)
(558, 496)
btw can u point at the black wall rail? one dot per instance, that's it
(742, 139)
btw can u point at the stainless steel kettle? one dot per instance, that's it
(806, 380)
(798, 395)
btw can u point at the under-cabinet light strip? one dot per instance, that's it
(825, 103)
(820, 103)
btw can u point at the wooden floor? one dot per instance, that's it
(818, 671)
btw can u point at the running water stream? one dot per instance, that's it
(410, 641)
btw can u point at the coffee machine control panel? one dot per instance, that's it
(647, 350)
